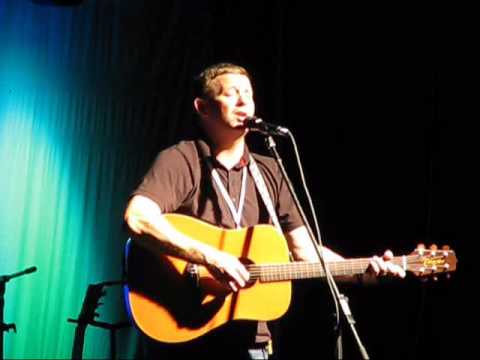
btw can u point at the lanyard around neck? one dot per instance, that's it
(236, 212)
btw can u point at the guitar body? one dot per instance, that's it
(167, 307)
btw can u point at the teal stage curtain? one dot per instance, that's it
(62, 198)
(65, 174)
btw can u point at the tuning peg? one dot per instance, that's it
(445, 250)
(420, 249)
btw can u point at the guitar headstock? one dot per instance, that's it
(432, 261)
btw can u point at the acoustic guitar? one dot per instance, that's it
(165, 304)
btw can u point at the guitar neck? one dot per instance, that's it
(308, 270)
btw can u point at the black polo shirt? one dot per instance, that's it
(180, 181)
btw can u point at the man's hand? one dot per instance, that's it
(385, 266)
(227, 269)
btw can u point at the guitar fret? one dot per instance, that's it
(306, 270)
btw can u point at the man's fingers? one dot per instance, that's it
(396, 270)
(384, 265)
(230, 271)
(237, 271)
(238, 279)
(374, 266)
(244, 272)
(388, 255)
(391, 267)
(381, 264)
(233, 286)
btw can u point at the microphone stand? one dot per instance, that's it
(3, 282)
(338, 297)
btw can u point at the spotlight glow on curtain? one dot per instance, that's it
(62, 182)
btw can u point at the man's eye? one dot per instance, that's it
(230, 92)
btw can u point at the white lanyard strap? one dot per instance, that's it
(236, 213)
(262, 189)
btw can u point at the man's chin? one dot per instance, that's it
(240, 127)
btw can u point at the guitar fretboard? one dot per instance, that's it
(307, 270)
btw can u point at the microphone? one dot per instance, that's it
(6, 278)
(29, 270)
(256, 124)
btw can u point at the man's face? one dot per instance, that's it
(233, 100)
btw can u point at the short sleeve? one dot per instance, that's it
(169, 181)
(287, 211)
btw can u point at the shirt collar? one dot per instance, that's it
(206, 149)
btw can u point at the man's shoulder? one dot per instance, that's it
(265, 161)
(185, 147)
(177, 156)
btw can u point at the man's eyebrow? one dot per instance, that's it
(228, 88)
(236, 87)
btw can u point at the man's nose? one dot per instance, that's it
(241, 99)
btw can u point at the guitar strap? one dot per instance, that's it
(262, 189)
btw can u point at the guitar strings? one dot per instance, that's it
(309, 269)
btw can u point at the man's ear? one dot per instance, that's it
(201, 106)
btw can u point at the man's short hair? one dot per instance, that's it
(203, 83)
